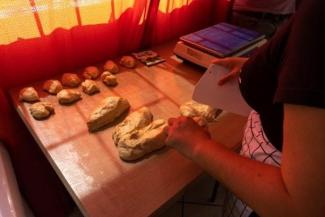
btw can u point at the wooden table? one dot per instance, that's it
(88, 164)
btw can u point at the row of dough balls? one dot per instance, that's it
(42, 110)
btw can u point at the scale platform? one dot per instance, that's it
(202, 58)
(218, 41)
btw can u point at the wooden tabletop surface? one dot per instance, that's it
(88, 163)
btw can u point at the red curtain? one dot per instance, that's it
(28, 60)
(170, 24)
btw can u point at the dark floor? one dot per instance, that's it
(197, 201)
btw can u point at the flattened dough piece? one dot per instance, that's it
(108, 79)
(28, 94)
(89, 87)
(201, 113)
(70, 80)
(91, 72)
(128, 62)
(52, 86)
(111, 66)
(138, 135)
(41, 110)
(108, 111)
(135, 121)
(68, 96)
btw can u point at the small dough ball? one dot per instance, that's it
(89, 87)
(128, 62)
(68, 96)
(28, 94)
(91, 72)
(111, 66)
(52, 86)
(41, 110)
(109, 79)
(70, 80)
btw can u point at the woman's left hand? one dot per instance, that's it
(186, 136)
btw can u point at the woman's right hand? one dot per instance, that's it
(234, 64)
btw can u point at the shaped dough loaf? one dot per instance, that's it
(201, 113)
(108, 111)
(28, 94)
(91, 72)
(52, 86)
(111, 66)
(70, 80)
(128, 62)
(108, 79)
(41, 110)
(68, 96)
(89, 87)
(138, 135)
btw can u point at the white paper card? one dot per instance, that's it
(226, 97)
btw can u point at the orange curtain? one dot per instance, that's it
(24, 19)
(66, 34)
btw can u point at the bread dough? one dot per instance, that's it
(111, 66)
(89, 87)
(70, 80)
(128, 62)
(68, 96)
(139, 135)
(41, 110)
(108, 79)
(52, 86)
(91, 72)
(135, 121)
(201, 113)
(28, 94)
(108, 111)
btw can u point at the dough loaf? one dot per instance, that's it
(28, 94)
(139, 135)
(41, 110)
(201, 113)
(70, 80)
(68, 96)
(89, 87)
(128, 62)
(111, 66)
(108, 111)
(52, 86)
(91, 72)
(108, 79)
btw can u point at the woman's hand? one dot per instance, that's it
(186, 136)
(234, 64)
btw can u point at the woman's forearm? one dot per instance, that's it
(261, 186)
